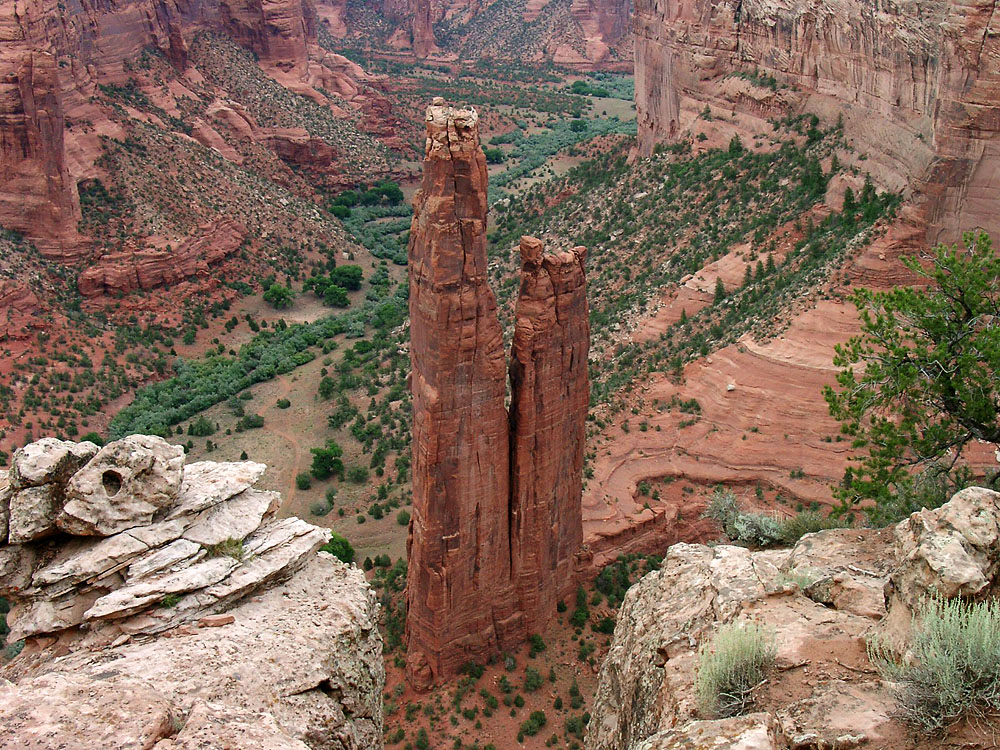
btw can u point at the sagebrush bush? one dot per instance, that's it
(952, 670)
(763, 529)
(737, 660)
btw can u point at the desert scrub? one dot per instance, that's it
(730, 667)
(764, 529)
(954, 672)
(230, 548)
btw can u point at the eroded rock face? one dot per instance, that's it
(916, 84)
(37, 194)
(459, 594)
(822, 600)
(300, 666)
(550, 395)
(123, 486)
(135, 542)
(496, 511)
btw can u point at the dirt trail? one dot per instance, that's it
(274, 418)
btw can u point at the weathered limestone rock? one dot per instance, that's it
(916, 84)
(550, 396)
(818, 600)
(207, 483)
(749, 732)
(33, 512)
(947, 552)
(49, 460)
(124, 485)
(215, 544)
(299, 666)
(459, 595)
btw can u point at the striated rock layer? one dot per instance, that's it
(496, 506)
(550, 396)
(917, 84)
(127, 539)
(298, 667)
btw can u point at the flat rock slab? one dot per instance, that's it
(208, 483)
(234, 518)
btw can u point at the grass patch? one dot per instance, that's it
(764, 529)
(736, 661)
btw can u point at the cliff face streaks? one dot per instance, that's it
(550, 396)
(916, 83)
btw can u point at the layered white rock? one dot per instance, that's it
(298, 666)
(151, 543)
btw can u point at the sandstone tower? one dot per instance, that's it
(496, 500)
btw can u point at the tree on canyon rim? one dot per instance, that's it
(927, 383)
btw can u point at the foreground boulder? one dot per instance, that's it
(127, 539)
(822, 599)
(297, 667)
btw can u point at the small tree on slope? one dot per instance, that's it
(920, 381)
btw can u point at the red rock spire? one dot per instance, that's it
(550, 394)
(459, 594)
(496, 503)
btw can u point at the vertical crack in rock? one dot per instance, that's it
(496, 515)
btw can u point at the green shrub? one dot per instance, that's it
(340, 548)
(403, 518)
(534, 723)
(303, 481)
(954, 672)
(283, 403)
(764, 529)
(738, 658)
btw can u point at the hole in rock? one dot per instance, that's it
(112, 482)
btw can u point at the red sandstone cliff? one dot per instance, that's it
(550, 396)
(917, 84)
(460, 604)
(496, 507)
(37, 194)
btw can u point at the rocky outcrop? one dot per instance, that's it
(126, 539)
(550, 397)
(148, 269)
(822, 600)
(917, 85)
(485, 565)
(459, 594)
(297, 667)
(37, 194)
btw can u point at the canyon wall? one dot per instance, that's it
(916, 83)
(496, 516)
(52, 58)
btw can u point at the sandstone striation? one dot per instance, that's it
(126, 539)
(823, 598)
(37, 194)
(148, 269)
(549, 400)
(915, 83)
(496, 503)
